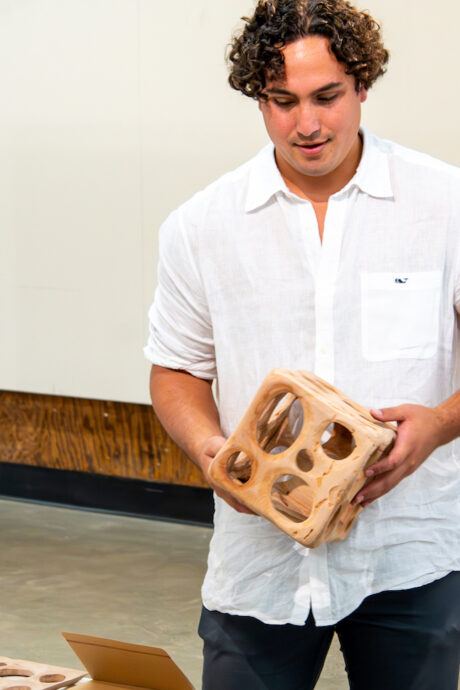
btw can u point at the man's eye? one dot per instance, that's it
(327, 99)
(283, 104)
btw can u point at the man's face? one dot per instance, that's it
(313, 116)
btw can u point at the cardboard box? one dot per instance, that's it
(116, 665)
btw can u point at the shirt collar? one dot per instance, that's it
(372, 175)
(264, 179)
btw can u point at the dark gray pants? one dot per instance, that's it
(401, 640)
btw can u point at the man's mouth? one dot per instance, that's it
(312, 149)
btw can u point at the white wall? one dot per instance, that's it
(417, 102)
(112, 113)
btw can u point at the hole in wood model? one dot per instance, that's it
(51, 678)
(335, 494)
(239, 468)
(304, 461)
(337, 441)
(292, 497)
(280, 423)
(15, 672)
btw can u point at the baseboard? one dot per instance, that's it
(174, 502)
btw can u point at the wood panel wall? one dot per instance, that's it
(110, 438)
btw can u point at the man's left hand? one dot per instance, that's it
(419, 433)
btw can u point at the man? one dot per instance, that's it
(335, 252)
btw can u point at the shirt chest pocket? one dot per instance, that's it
(400, 314)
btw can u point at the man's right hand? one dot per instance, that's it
(209, 450)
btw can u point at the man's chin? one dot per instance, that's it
(312, 170)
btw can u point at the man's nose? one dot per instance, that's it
(308, 124)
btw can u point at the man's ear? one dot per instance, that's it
(362, 92)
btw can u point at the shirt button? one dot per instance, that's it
(323, 351)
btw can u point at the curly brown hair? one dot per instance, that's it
(354, 36)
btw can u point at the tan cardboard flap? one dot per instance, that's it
(122, 663)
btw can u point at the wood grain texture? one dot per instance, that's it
(100, 437)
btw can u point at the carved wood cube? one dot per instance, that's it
(19, 674)
(298, 456)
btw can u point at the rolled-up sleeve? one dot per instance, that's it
(457, 295)
(180, 330)
(457, 284)
(455, 220)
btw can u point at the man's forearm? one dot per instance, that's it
(186, 408)
(449, 418)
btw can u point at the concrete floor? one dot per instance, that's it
(123, 578)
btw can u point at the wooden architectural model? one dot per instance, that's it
(298, 456)
(17, 674)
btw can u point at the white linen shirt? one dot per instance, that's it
(245, 286)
